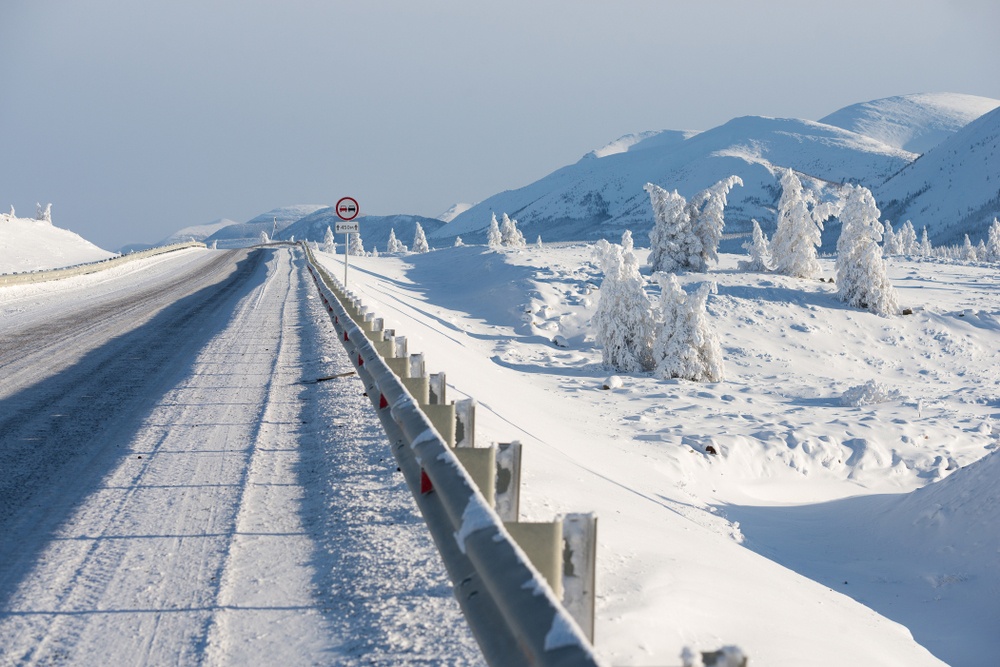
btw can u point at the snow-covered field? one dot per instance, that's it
(849, 513)
(33, 245)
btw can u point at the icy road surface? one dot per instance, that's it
(174, 491)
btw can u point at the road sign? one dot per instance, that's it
(348, 209)
(347, 227)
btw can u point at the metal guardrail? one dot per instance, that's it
(513, 612)
(90, 267)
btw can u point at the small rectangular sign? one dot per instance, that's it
(347, 228)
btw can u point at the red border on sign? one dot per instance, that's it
(357, 209)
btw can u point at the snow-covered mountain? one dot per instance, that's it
(197, 232)
(34, 245)
(601, 195)
(454, 211)
(954, 188)
(247, 233)
(914, 123)
(375, 229)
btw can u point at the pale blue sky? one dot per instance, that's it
(137, 118)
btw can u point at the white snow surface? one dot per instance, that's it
(34, 245)
(852, 534)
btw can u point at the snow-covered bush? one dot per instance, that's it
(861, 270)
(623, 322)
(43, 213)
(685, 346)
(215, 245)
(759, 251)
(510, 235)
(686, 234)
(800, 228)
(493, 237)
(374, 252)
(869, 393)
(264, 238)
(459, 242)
(420, 240)
(355, 245)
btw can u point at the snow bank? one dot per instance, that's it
(35, 245)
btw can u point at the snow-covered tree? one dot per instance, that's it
(394, 245)
(861, 270)
(906, 239)
(890, 246)
(672, 245)
(459, 242)
(800, 228)
(493, 237)
(623, 321)
(686, 234)
(264, 238)
(420, 240)
(538, 243)
(510, 235)
(993, 242)
(374, 251)
(329, 244)
(969, 253)
(43, 213)
(926, 250)
(12, 214)
(759, 250)
(685, 345)
(215, 245)
(355, 246)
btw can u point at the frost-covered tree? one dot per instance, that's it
(686, 234)
(623, 321)
(394, 245)
(329, 244)
(926, 249)
(993, 242)
(493, 237)
(890, 245)
(800, 228)
(969, 253)
(264, 238)
(419, 240)
(538, 243)
(215, 245)
(43, 213)
(459, 242)
(759, 250)
(861, 270)
(374, 251)
(685, 345)
(355, 246)
(510, 235)
(906, 239)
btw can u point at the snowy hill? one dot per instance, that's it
(197, 232)
(33, 245)
(601, 196)
(454, 211)
(248, 233)
(914, 123)
(954, 188)
(375, 229)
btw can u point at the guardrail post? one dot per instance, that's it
(465, 423)
(579, 568)
(542, 543)
(437, 389)
(442, 417)
(415, 380)
(508, 481)
(481, 466)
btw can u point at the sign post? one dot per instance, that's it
(347, 209)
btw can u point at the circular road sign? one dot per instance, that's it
(347, 208)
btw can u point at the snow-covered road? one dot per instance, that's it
(173, 490)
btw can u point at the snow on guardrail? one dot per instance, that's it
(90, 267)
(526, 589)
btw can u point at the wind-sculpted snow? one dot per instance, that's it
(685, 476)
